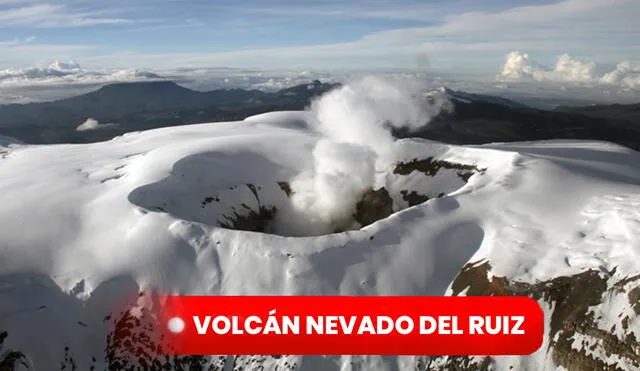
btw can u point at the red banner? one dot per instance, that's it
(305, 325)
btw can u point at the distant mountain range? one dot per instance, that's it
(478, 119)
(475, 119)
(138, 106)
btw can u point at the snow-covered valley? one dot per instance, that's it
(250, 208)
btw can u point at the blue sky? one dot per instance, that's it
(470, 36)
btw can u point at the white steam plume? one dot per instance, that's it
(355, 122)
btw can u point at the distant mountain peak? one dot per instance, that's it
(464, 97)
(142, 84)
(144, 90)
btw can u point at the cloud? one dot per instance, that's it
(274, 82)
(51, 16)
(517, 19)
(518, 67)
(574, 26)
(16, 53)
(398, 10)
(15, 42)
(60, 72)
(18, 45)
(455, 37)
(93, 124)
(450, 33)
(626, 75)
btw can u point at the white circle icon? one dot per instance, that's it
(176, 325)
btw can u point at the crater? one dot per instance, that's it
(267, 206)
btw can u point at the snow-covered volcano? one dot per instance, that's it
(208, 209)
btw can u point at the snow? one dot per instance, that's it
(594, 349)
(84, 227)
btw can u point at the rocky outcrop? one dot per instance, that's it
(577, 339)
(430, 167)
(373, 206)
(9, 359)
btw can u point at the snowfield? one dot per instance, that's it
(85, 228)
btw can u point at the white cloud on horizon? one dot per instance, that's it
(71, 72)
(626, 75)
(518, 67)
(454, 41)
(207, 79)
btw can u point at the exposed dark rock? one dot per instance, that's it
(9, 359)
(209, 200)
(259, 221)
(413, 197)
(571, 298)
(461, 363)
(252, 220)
(253, 190)
(430, 167)
(135, 344)
(465, 175)
(68, 362)
(285, 187)
(373, 206)
(634, 299)
(633, 294)
(622, 283)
